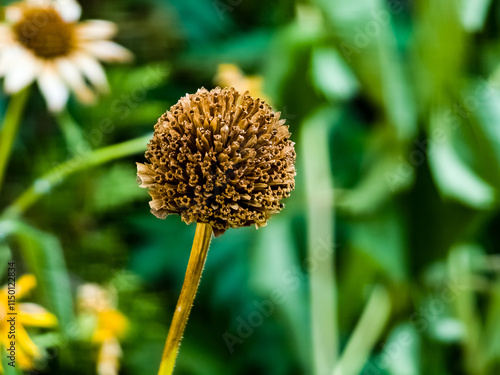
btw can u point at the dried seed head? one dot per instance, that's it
(221, 158)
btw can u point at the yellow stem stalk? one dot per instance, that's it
(195, 266)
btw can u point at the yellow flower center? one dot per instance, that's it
(43, 31)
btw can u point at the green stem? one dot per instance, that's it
(9, 129)
(366, 333)
(72, 133)
(82, 161)
(320, 228)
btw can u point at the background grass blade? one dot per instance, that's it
(314, 146)
(44, 257)
(366, 334)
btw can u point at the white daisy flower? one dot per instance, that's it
(41, 40)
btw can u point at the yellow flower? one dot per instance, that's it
(42, 41)
(28, 314)
(229, 75)
(110, 325)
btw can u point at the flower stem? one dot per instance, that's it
(44, 184)
(195, 266)
(10, 127)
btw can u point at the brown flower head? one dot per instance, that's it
(221, 158)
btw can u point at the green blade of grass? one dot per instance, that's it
(315, 153)
(366, 333)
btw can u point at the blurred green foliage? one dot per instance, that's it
(404, 97)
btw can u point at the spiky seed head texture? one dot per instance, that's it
(219, 157)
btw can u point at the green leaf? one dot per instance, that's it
(452, 174)
(44, 257)
(368, 43)
(491, 342)
(482, 100)
(9, 370)
(5, 256)
(381, 238)
(447, 330)
(278, 272)
(331, 75)
(473, 14)
(116, 187)
(131, 102)
(406, 339)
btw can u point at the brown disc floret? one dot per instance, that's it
(45, 33)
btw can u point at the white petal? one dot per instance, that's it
(13, 13)
(8, 58)
(69, 10)
(72, 76)
(22, 73)
(96, 29)
(107, 51)
(53, 88)
(92, 70)
(5, 36)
